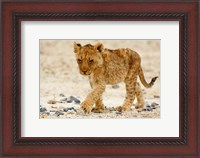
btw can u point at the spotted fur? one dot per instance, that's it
(105, 66)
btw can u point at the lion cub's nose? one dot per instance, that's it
(84, 72)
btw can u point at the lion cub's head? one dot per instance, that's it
(88, 57)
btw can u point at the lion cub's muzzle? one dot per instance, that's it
(85, 72)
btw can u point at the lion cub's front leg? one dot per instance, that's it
(99, 106)
(92, 98)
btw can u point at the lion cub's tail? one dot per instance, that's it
(144, 82)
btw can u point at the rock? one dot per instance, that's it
(71, 99)
(144, 109)
(155, 105)
(68, 100)
(77, 101)
(65, 99)
(52, 110)
(73, 109)
(65, 109)
(69, 109)
(48, 113)
(43, 109)
(148, 106)
(61, 95)
(156, 96)
(115, 86)
(58, 113)
(149, 109)
(52, 102)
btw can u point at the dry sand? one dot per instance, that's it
(59, 75)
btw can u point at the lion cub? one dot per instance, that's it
(105, 66)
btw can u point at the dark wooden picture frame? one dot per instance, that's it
(187, 144)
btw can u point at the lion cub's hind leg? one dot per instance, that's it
(137, 92)
(139, 95)
(130, 94)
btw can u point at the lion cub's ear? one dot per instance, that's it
(77, 47)
(99, 47)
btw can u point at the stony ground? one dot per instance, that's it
(62, 88)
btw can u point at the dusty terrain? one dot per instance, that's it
(60, 79)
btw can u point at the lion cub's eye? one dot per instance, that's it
(79, 61)
(91, 61)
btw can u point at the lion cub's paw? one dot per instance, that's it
(98, 110)
(123, 108)
(86, 107)
(139, 106)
